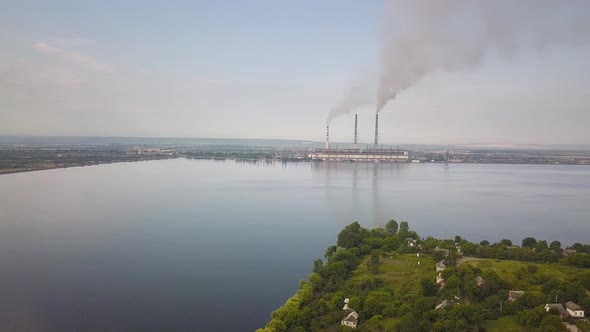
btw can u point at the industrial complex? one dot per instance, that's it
(375, 154)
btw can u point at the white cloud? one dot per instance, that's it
(77, 58)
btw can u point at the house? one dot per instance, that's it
(559, 308)
(513, 247)
(442, 305)
(513, 295)
(411, 242)
(479, 281)
(574, 310)
(346, 307)
(439, 279)
(350, 320)
(568, 252)
(441, 266)
(445, 251)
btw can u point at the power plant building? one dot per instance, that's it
(375, 155)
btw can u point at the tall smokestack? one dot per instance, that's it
(376, 130)
(356, 116)
(327, 137)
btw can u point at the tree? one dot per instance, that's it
(277, 325)
(351, 236)
(374, 262)
(438, 255)
(429, 287)
(404, 227)
(354, 303)
(458, 238)
(506, 242)
(374, 304)
(529, 242)
(330, 251)
(484, 243)
(541, 245)
(531, 317)
(555, 246)
(392, 226)
(552, 323)
(318, 266)
(454, 283)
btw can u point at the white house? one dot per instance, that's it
(514, 294)
(479, 281)
(441, 266)
(350, 320)
(574, 310)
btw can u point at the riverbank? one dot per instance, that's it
(387, 279)
(36, 159)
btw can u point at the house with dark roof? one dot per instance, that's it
(350, 320)
(574, 310)
(557, 307)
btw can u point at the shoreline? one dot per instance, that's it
(47, 168)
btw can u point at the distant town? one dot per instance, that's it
(22, 154)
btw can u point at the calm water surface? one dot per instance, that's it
(186, 245)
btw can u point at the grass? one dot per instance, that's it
(508, 270)
(399, 271)
(503, 324)
(583, 325)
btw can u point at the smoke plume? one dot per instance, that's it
(424, 36)
(357, 96)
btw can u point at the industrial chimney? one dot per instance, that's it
(327, 137)
(355, 132)
(376, 130)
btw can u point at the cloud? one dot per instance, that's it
(77, 58)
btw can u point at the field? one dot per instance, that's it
(510, 270)
(503, 324)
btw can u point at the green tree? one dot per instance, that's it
(555, 246)
(404, 227)
(552, 323)
(541, 245)
(506, 242)
(374, 305)
(429, 287)
(392, 226)
(374, 262)
(529, 242)
(318, 266)
(277, 325)
(351, 236)
(330, 251)
(484, 243)
(531, 317)
(454, 283)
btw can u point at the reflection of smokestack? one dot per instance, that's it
(376, 130)
(327, 137)
(355, 132)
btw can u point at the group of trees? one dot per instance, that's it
(317, 305)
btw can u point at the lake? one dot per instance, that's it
(199, 245)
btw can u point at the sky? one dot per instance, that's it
(270, 69)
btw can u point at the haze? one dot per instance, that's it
(268, 69)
